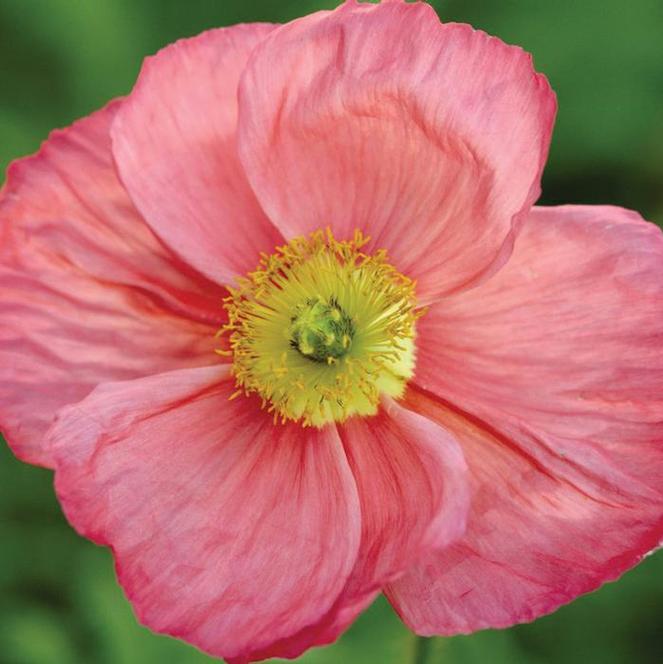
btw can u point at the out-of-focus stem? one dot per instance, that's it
(422, 649)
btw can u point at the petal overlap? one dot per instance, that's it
(88, 291)
(227, 532)
(174, 142)
(413, 493)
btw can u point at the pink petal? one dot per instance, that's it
(555, 373)
(227, 531)
(412, 484)
(88, 292)
(174, 142)
(380, 118)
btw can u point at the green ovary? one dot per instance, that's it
(321, 331)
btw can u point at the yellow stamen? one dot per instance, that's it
(321, 329)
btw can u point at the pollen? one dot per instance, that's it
(320, 330)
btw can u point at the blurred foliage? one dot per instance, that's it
(61, 59)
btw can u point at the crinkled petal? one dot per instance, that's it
(428, 137)
(174, 143)
(414, 497)
(555, 372)
(89, 293)
(228, 531)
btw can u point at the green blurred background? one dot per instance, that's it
(61, 59)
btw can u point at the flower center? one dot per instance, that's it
(320, 330)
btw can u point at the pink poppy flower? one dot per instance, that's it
(482, 445)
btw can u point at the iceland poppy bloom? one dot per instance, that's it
(288, 328)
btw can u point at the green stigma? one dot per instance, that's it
(321, 331)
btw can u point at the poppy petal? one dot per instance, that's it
(414, 497)
(550, 375)
(430, 138)
(89, 293)
(174, 143)
(228, 531)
